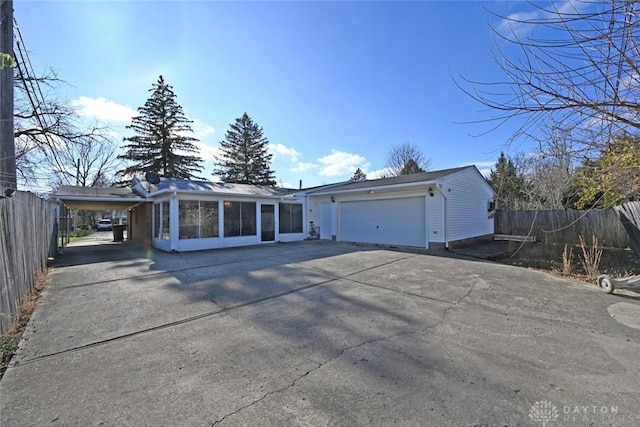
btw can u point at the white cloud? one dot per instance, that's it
(521, 24)
(282, 149)
(517, 24)
(103, 109)
(201, 130)
(380, 173)
(483, 167)
(479, 165)
(207, 152)
(339, 163)
(486, 172)
(303, 167)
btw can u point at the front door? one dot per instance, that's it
(325, 221)
(268, 222)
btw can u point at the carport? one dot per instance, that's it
(110, 198)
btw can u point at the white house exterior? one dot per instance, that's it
(419, 210)
(196, 215)
(423, 210)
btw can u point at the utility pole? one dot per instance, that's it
(7, 144)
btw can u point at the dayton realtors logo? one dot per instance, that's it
(546, 412)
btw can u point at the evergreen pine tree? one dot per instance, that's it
(161, 143)
(509, 185)
(411, 167)
(244, 158)
(358, 176)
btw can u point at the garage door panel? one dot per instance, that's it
(389, 221)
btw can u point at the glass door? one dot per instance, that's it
(268, 222)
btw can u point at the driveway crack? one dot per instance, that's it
(242, 408)
(308, 372)
(459, 301)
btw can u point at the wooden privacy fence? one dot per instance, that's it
(27, 225)
(564, 226)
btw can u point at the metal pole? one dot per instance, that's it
(7, 144)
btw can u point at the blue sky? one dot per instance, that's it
(333, 84)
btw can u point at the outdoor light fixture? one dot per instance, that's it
(371, 191)
(333, 199)
(430, 190)
(8, 193)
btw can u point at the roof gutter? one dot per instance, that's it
(101, 199)
(173, 192)
(377, 188)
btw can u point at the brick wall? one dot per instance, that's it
(139, 225)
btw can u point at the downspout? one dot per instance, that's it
(444, 214)
(174, 227)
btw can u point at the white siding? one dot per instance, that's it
(467, 197)
(436, 222)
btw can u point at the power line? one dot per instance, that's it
(34, 94)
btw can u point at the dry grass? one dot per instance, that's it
(559, 260)
(567, 260)
(591, 256)
(9, 341)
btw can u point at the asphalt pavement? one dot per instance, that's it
(320, 333)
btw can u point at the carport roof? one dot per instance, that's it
(417, 178)
(97, 198)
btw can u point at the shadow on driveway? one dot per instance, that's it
(313, 333)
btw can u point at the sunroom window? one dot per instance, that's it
(198, 219)
(239, 219)
(290, 218)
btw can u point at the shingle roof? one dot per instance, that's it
(395, 180)
(185, 185)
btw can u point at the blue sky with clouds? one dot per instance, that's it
(333, 84)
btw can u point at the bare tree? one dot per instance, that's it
(53, 145)
(548, 173)
(94, 163)
(406, 158)
(571, 65)
(548, 182)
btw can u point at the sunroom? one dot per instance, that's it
(196, 215)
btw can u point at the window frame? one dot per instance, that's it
(240, 218)
(290, 220)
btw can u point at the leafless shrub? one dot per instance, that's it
(567, 260)
(591, 257)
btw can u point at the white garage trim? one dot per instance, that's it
(397, 221)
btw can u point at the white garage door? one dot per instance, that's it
(390, 221)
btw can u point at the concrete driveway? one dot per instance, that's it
(320, 333)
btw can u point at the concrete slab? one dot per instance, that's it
(317, 333)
